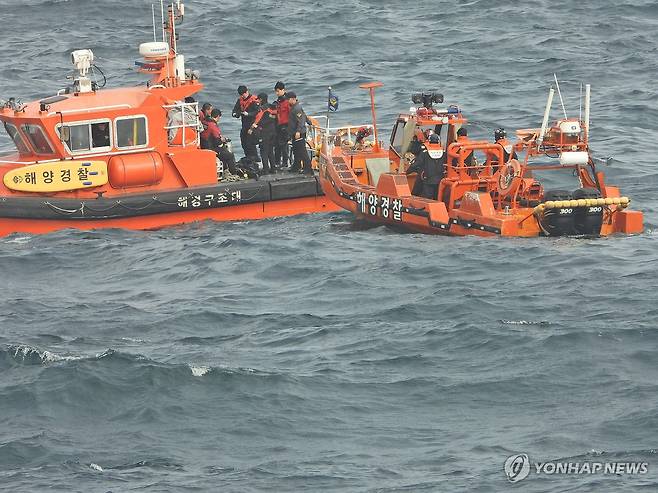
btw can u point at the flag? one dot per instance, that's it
(332, 102)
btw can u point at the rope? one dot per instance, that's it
(65, 211)
(229, 177)
(623, 202)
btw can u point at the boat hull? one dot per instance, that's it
(245, 200)
(392, 203)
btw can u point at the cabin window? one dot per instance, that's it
(78, 138)
(38, 139)
(131, 132)
(17, 138)
(100, 134)
(91, 136)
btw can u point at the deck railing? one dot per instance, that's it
(182, 116)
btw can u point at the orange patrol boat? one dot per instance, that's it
(482, 188)
(130, 157)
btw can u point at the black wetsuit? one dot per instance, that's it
(506, 155)
(266, 132)
(430, 173)
(297, 124)
(251, 108)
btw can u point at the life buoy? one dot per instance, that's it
(509, 177)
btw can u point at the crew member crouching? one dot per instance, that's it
(217, 142)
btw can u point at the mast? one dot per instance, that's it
(371, 86)
(587, 106)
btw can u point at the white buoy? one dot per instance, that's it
(571, 158)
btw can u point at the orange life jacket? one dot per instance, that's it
(245, 103)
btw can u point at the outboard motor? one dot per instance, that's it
(588, 220)
(558, 221)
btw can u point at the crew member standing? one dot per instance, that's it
(246, 108)
(500, 137)
(429, 165)
(297, 132)
(462, 138)
(216, 142)
(281, 151)
(264, 128)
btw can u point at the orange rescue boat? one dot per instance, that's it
(486, 189)
(129, 157)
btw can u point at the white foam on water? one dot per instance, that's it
(524, 322)
(132, 339)
(21, 240)
(24, 351)
(95, 467)
(50, 357)
(199, 371)
(104, 354)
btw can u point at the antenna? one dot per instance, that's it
(547, 112)
(163, 23)
(580, 103)
(153, 12)
(587, 107)
(557, 84)
(173, 28)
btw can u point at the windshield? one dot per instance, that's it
(38, 139)
(17, 138)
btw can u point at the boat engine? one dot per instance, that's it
(588, 220)
(558, 221)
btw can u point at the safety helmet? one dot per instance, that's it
(499, 133)
(434, 139)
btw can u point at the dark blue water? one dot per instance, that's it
(314, 353)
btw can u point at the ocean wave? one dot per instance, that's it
(28, 355)
(199, 371)
(135, 365)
